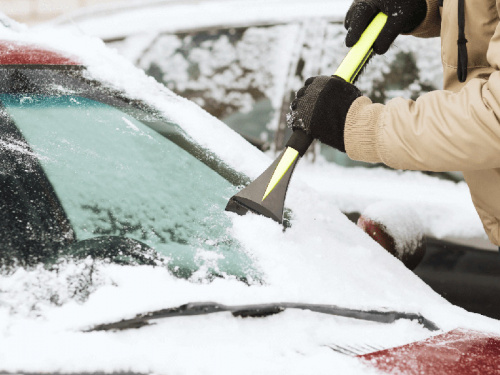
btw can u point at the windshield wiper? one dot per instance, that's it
(262, 310)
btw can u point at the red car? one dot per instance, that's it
(114, 237)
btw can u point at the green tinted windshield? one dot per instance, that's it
(116, 176)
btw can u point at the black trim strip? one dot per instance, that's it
(361, 66)
(262, 310)
(461, 43)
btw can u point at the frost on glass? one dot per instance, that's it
(235, 74)
(115, 176)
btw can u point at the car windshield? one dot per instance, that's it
(117, 176)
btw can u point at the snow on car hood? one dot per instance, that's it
(323, 258)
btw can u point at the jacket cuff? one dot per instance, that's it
(431, 25)
(363, 121)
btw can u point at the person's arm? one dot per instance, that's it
(440, 131)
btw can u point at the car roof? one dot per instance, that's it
(17, 53)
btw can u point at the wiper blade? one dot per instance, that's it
(262, 310)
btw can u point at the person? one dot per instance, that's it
(454, 129)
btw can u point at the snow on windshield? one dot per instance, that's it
(139, 185)
(323, 258)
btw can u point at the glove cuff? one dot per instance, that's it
(363, 121)
(431, 24)
(419, 14)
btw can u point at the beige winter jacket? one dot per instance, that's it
(455, 129)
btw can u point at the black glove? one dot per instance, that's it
(320, 109)
(403, 17)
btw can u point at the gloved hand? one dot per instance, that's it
(320, 109)
(403, 17)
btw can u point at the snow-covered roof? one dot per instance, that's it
(14, 53)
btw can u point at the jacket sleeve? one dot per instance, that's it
(440, 131)
(431, 25)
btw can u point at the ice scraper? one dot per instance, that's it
(266, 195)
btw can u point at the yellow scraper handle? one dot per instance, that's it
(266, 194)
(349, 68)
(361, 51)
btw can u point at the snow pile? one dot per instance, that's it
(213, 344)
(400, 221)
(443, 207)
(29, 292)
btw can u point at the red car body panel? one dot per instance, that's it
(14, 53)
(457, 352)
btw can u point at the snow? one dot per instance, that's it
(186, 15)
(400, 221)
(323, 258)
(192, 350)
(444, 208)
